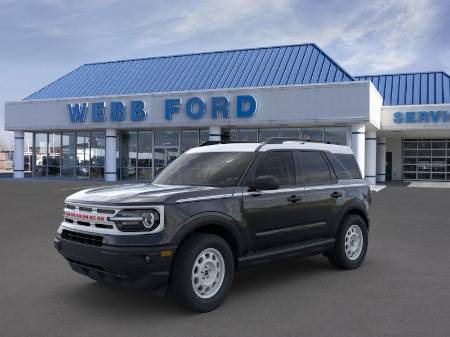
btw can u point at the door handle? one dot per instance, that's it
(336, 194)
(294, 198)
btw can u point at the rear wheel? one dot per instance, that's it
(202, 272)
(350, 247)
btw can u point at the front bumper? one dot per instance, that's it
(139, 267)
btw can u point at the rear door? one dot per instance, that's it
(273, 216)
(321, 192)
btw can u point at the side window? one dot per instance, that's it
(350, 165)
(279, 164)
(314, 169)
(339, 168)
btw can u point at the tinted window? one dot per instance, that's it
(349, 163)
(339, 168)
(279, 164)
(218, 169)
(314, 168)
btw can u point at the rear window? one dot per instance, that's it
(345, 166)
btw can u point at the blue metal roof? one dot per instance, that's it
(257, 67)
(412, 88)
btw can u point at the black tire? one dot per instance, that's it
(337, 255)
(180, 281)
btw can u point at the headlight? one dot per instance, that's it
(137, 220)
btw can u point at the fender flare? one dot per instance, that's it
(239, 233)
(352, 206)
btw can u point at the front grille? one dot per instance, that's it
(87, 239)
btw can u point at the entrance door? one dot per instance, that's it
(388, 166)
(164, 155)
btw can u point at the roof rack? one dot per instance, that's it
(210, 142)
(281, 140)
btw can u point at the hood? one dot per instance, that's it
(135, 194)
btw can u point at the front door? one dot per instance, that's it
(164, 155)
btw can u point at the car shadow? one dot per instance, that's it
(135, 304)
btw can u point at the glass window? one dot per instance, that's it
(233, 135)
(189, 139)
(54, 154)
(68, 154)
(128, 154)
(166, 137)
(204, 135)
(145, 155)
(248, 135)
(289, 132)
(313, 134)
(97, 155)
(145, 147)
(83, 154)
(336, 136)
(340, 170)
(350, 164)
(265, 134)
(219, 169)
(279, 164)
(40, 150)
(314, 169)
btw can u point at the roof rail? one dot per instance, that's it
(281, 140)
(210, 142)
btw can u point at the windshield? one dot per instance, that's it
(217, 169)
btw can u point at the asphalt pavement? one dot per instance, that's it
(402, 289)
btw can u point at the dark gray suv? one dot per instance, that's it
(216, 209)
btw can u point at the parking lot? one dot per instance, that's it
(402, 289)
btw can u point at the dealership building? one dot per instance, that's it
(129, 119)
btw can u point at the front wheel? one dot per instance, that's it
(202, 272)
(351, 243)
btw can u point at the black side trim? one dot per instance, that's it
(381, 174)
(215, 135)
(18, 138)
(18, 170)
(366, 176)
(358, 133)
(371, 138)
(110, 136)
(110, 172)
(381, 143)
(312, 247)
(290, 229)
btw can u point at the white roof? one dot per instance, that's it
(287, 145)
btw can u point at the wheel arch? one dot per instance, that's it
(218, 224)
(356, 210)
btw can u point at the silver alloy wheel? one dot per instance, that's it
(354, 242)
(208, 273)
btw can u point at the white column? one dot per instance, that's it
(110, 155)
(359, 145)
(371, 157)
(18, 166)
(215, 133)
(381, 159)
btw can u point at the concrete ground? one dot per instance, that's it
(402, 289)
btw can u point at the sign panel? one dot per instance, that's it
(195, 108)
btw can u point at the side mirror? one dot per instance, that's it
(267, 182)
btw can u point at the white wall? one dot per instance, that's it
(324, 104)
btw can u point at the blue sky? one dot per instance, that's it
(41, 40)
